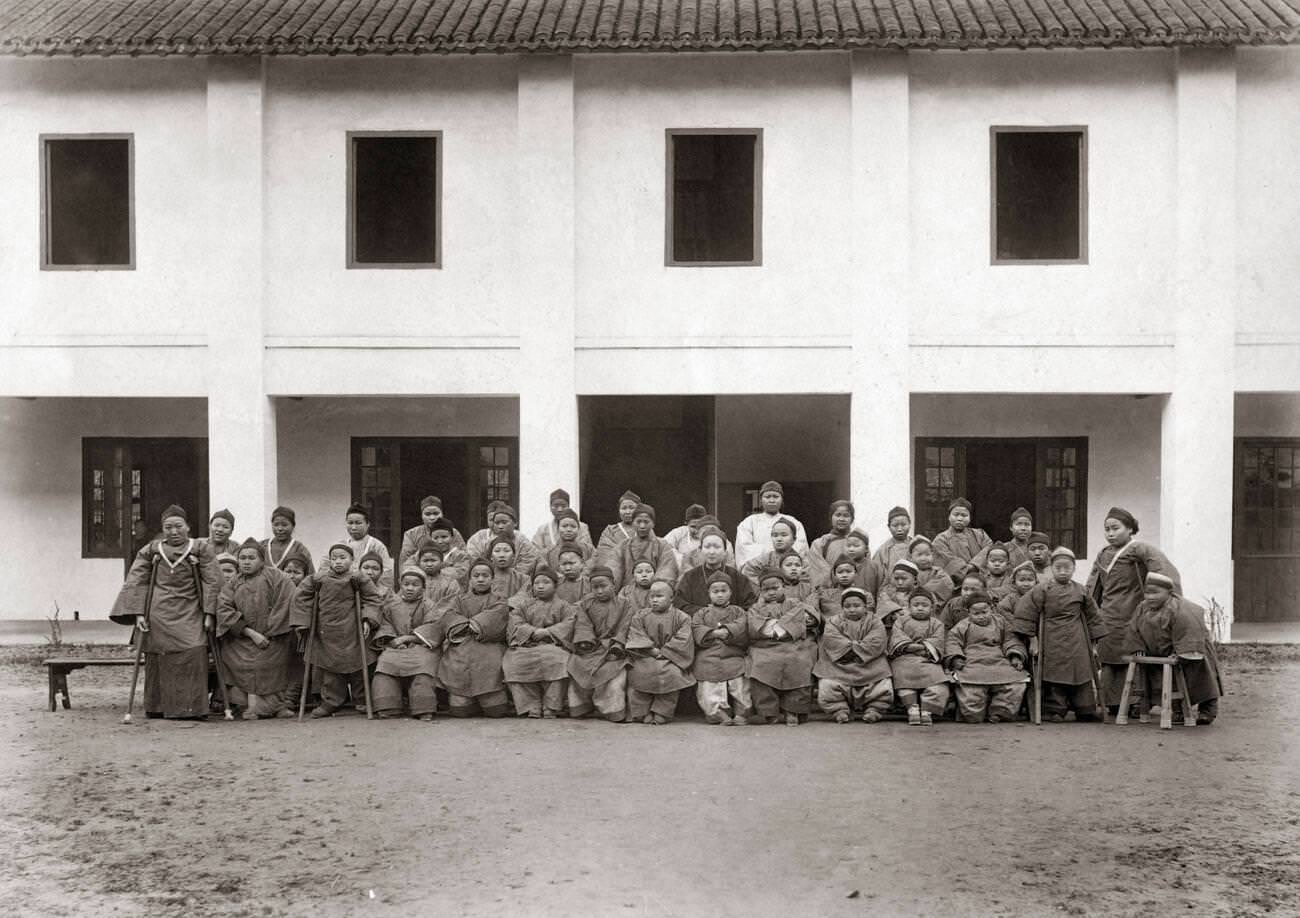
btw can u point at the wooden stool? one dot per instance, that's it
(1169, 671)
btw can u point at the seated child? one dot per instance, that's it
(295, 568)
(783, 535)
(569, 529)
(1167, 625)
(894, 595)
(997, 574)
(598, 664)
(782, 635)
(573, 584)
(870, 576)
(509, 584)
(896, 549)
(798, 586)
(721, 641)
(1070, 626)
(929, 575)
(474, 643)
(373, 567)
(1040, 555)
(1023, 579)
(842, 576)
(915, 649)
(453, 559)
(972, 582)
(256, 640)
(643, 545)
(538, 638)
(638, 591)
(228, 565)
(411, 634)
(661, 647)
(439, 584)
(337, 653)
(853, 672)
(988, 663)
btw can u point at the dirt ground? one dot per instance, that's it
(344, 817)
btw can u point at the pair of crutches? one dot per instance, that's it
(139, 642)
(361, 643)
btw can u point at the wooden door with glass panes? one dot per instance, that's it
(1266, 530)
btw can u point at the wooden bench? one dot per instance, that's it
(59, 667)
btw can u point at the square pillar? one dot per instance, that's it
(880, 415)
(1197, 425)
(241, 419)
(547, 273)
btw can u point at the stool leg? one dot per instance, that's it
(1144, 700)
(1121, 717)
(1189, 709)
(1166, 696)
(53, 704)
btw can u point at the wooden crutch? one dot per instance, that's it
(1036, 699)
(1093, 672)
(306, 668)
(361, 642)
(139, 639)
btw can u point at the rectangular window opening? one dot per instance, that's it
(1039, 195)
(394, 200)
(86, 192)
(714, 197)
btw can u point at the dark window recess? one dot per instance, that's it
(714, 197)
(395, 200)
(1038, 195)
(88, 201)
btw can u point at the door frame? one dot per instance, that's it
(198, 513)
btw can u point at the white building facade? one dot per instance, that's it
(876, 347)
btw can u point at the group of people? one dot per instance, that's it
(559, 624)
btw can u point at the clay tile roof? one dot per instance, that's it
(255, 27)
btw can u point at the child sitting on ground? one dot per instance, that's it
(915, 649)
(638, 591)
(782, 635)
(475, 642)
(329, 599)
(721, 642)
(598, 664)
(411, 635)
(537, 649)
(661, 647)
(852, 669)
(988, 663)
(573, 584)
(1070, 626)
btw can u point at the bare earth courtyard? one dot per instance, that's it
(478, 817)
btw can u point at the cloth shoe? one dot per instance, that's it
(914, 715)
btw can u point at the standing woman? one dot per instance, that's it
(616, 534)
(185, 579)
(1116, 584)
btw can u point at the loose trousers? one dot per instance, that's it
(536, 697)
(1058, 698)
(421, 692)
(489, 704)
(974, 702)
(640, 703)
(608, 698)
(834, 697)
(773, 702)
(713, 697)
(933, 698)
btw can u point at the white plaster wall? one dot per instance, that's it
(1126, 101)
(1268, 190)
(1267, 414)
(40, 496)
(311, 105)
(314, 437)
(1123, 444)
(160, 102)
(624, 106)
